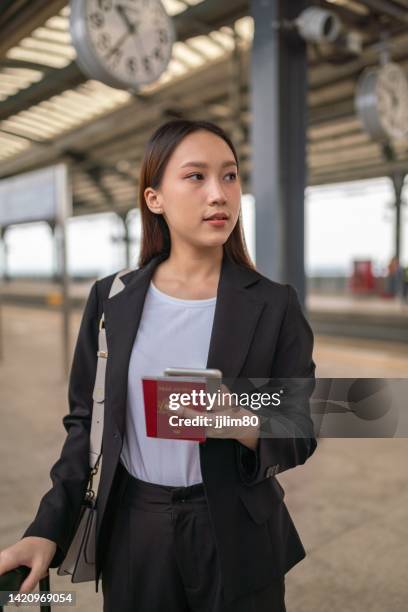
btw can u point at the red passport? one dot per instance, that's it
(156, 393)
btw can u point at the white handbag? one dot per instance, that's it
(80, 558)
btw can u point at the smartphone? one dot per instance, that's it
(203, 372)
(213, 376)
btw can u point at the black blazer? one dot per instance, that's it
(259, 331)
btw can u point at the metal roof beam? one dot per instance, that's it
(348, 16)
(14, 63)
(83, 208)
(95, 174)
(54, 83)
(356, 172)
(95, 171)
(88, 164)
(209, 15)
(326, 113)
(16, 135)
(388, 7)
(15, 26)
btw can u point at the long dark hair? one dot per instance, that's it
(158, 150)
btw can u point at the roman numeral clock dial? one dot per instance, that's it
(123, 43)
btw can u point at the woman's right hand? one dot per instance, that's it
(32, 551)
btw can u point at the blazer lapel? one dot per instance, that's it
(236, 314)
(235, 318)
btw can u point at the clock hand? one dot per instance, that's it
(118, 44)
(131, 26)
(393, 98)
(123, 7)
(131, 29)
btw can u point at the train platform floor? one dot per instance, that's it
(349, 502)
(342, 315)
(358, 304)
(315, 301)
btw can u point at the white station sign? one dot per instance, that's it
(35, 196)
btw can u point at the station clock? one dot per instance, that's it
(381, 102)
(123, 43)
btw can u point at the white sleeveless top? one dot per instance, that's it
(172, 333)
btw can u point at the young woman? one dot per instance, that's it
(182, 525)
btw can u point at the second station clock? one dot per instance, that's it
(123, 43)
(382, 102)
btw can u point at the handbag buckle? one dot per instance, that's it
(90, 493)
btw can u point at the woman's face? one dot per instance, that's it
(200, 181)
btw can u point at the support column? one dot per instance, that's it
(64, 198)
(398, 179)
(398, 184)
(126, 239)
(55, 265)
(279, 121)
(4, 254)
(236, 80)
(2, 278)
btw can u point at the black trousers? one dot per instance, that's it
(162, 556)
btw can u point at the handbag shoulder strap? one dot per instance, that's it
(98, 395)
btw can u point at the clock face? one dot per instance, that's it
(125, 43)
(392, 100)
(382, 102)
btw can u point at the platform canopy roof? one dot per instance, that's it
(49, 110)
